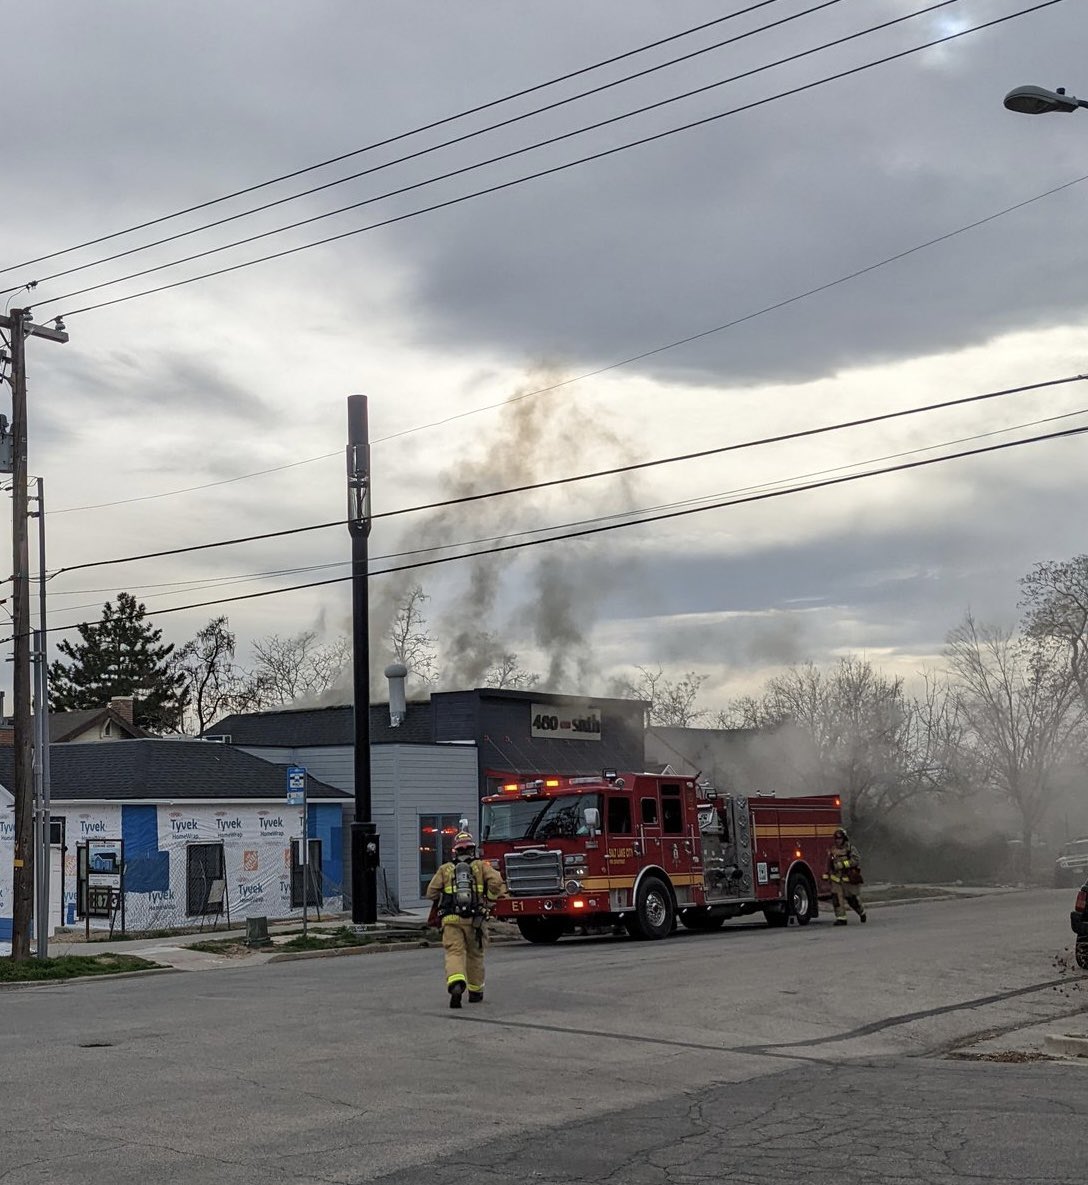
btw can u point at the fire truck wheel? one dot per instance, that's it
(800, 898)
(655, 913)
(543, 931)
(1080, 953)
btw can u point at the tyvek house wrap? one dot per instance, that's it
(256, 842)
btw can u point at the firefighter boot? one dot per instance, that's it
(476, 997)
(840, 921)
(457, 990)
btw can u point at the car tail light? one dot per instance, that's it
(1082, 901)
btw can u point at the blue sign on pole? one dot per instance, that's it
(296, 785)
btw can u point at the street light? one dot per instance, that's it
(1034, 100)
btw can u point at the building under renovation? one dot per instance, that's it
(152, 834)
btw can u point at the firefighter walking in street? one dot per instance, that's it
(844, 870)
(463, 892)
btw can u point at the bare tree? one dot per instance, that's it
(1055, 607)
(854, 732)
(508, 672)
(287, 669)
(408, 637)
(671, 701)
(211, 678)
(1023, 712)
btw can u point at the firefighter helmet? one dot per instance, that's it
(463, 842)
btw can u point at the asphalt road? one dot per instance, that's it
(798, 1055)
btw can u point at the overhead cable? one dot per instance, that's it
(785, 302)
(598, 530)
(504, 185)
(427, 127)
(779, 438)
(421, 152)
(202, 584)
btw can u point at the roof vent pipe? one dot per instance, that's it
(396, 673)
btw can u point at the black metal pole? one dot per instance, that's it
(364, 836)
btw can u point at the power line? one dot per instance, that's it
(551, 140)
(204, 583)
(770, 308)
(449, 144)
(226, 481)
(614, 470)
(781, 438)
(427, 127)
(517, 180)
(598, 530)
(614, 365)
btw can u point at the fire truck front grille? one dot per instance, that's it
(534, 873)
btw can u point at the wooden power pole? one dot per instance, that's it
(20, 327)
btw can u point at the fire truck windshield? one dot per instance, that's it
(535, 818)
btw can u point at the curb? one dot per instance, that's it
(923, 900)
(1069, 1044)
(374, 948)
(335, 952)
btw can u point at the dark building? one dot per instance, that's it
(522, 732)
(515, 732)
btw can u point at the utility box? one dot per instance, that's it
(257, 932)
(7, 447)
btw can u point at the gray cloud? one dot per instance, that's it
(595, 264)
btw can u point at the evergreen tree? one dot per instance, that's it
(122, 655)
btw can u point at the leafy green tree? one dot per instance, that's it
(121, 655)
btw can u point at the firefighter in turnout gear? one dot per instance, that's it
(464, 891)
(844, 871)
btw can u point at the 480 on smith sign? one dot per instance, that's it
(569, 724)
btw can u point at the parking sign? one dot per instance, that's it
(296, 784)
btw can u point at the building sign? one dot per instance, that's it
(100, 878)
(565, 723)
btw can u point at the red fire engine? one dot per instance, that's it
(645, 850)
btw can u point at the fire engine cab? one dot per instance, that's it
(644, 851)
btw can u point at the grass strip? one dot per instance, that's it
(70, 967)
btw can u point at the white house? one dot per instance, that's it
(179, 828)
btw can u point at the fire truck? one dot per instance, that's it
(644, 851)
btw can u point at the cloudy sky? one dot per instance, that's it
(128, 112)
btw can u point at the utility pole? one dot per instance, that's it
(41, 927)
(21, 327)
(365, 851)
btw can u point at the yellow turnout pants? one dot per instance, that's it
(464, 946)
(846, 894)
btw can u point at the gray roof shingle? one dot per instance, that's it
(171, 770)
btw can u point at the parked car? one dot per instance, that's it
(1078, 919)
(1071, 866)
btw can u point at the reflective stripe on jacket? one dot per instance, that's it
(840, 861)
(489, 885)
